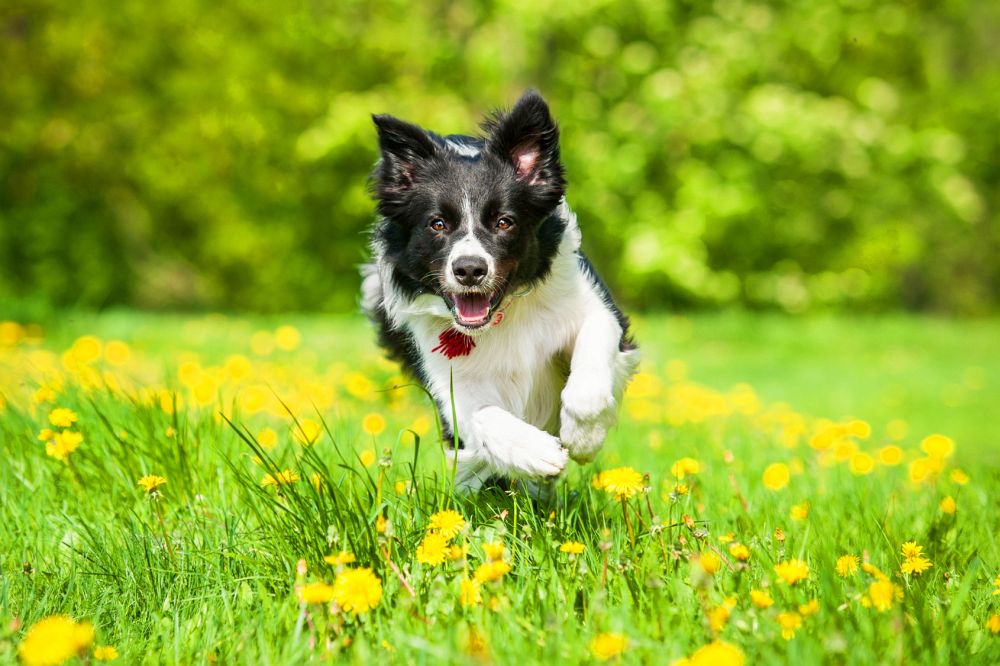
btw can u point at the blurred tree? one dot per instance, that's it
(789, 154)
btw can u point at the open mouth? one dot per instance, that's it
(473, 309)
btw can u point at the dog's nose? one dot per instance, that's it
(469, 271)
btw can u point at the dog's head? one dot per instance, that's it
(471, 219)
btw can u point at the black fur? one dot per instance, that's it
(626, 343)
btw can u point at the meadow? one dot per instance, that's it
(226, 490)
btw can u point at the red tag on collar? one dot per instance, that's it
(454, 343)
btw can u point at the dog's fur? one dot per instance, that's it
(475, 237)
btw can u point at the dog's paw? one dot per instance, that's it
(583, 439)
(539, 455)
(586, 415)
(517, 448)
(586, 401)
(544, 455)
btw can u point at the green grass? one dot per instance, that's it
(205, 572)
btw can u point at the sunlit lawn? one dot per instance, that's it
(773, 448)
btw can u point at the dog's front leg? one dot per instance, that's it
(589, 400)
(515, 448)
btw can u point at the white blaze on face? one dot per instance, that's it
(468, 246)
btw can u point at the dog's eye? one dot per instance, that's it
(437, 224)
(504, 223)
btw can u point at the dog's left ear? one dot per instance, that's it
(528, 139)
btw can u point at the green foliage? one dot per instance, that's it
(793, 154)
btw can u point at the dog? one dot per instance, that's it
(478, 288)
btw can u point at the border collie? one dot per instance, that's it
(477, 282)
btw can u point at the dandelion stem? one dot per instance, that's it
(399, 574)
(631, 535)
(659, 534)
(163, 530)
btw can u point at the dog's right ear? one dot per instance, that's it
(404, 146)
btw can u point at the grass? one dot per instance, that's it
(205, 570)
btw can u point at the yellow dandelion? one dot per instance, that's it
(861, 464)
(433, 550)
(776, 476)
(717, 653)
(367, 457)
(571, 547)
(911, 549)
(607, 645)
(267, 438)
(357, 590)
(380, 524)
(996, 585)
(622, 482)
(358, 385)
(681, 489)
(685, 466)
(809, 608)
(915, 565)
(448, 523)
(86, 349)
(993, 624)
(60, 417)
(922, 469)
(959, 477)
(883, 594)
(491, 571)
(790, 622)
(872, 570)
(847, 565)
(494, 551)
(739, 551)
(457, 552)
(11, 333)
(792, 571)
(844, 449)
(341, 558)
(718, 617)
(710, 562)
(316, 593)
(800, 511)
(938, 446)
(105, 652)
(55, 639)
(373, 424)
(761, 599)
(859, 429)
(470, 594)
(63, 444)
(727, 538)
(279, 479)
(44, 394)
(308, 432)
(890, 456)
(948, 505)
(287, 338)
(151, 482)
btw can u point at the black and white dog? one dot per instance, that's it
(477, 277)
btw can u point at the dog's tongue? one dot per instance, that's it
(472, 308)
